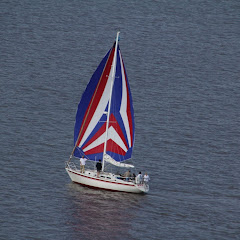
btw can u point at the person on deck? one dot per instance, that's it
(99, 167)
(146, 178)
(82, 164)
(139, 178)
(127, 175)
(133, 178)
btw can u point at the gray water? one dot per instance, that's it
(183, 63)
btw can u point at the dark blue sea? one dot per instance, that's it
(183, 63)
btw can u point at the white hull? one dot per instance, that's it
(105, 181)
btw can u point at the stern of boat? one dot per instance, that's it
(144, 188)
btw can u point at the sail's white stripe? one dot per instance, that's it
(123, 109)
(116, 138)
(99, 110)
(113, 135)
(96, 143)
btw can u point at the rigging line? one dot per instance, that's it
(80, 132)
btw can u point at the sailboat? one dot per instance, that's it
(104, 128)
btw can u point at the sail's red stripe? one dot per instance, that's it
(97, 95)
(111, 147)
(97, 149)
(112, 122)
(96, 135)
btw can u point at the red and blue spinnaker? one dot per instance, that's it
(97, 122)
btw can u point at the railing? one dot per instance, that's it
(71, 165)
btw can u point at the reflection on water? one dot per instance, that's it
(99, 213)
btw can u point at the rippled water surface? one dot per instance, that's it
(182, 60)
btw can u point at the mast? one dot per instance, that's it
(110, 97)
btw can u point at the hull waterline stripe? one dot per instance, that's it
(107, 189)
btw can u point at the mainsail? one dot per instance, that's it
(109, 82)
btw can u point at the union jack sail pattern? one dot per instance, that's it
(91, 118)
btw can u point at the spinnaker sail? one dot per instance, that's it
(93, 109)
